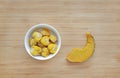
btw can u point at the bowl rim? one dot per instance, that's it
(31, 29)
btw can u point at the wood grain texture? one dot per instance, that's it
(72, 18)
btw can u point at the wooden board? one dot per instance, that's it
(72, 18)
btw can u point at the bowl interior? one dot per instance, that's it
(37, 28)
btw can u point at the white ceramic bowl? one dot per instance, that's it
(36, 27)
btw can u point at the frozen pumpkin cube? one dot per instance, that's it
(53, 38)
(45, 40)
(37, 48)
(37, 39)
(34, 52)
(45, 32)
(52, 48)
(36, 34)
(32, 42)
(45, 52)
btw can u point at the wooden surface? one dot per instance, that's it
(72, 18)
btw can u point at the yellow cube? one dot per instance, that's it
(32, 42)
(45, 40)
(45, 32)
(53, 38)
(45, 52)
(35, 52)
(52, 48)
